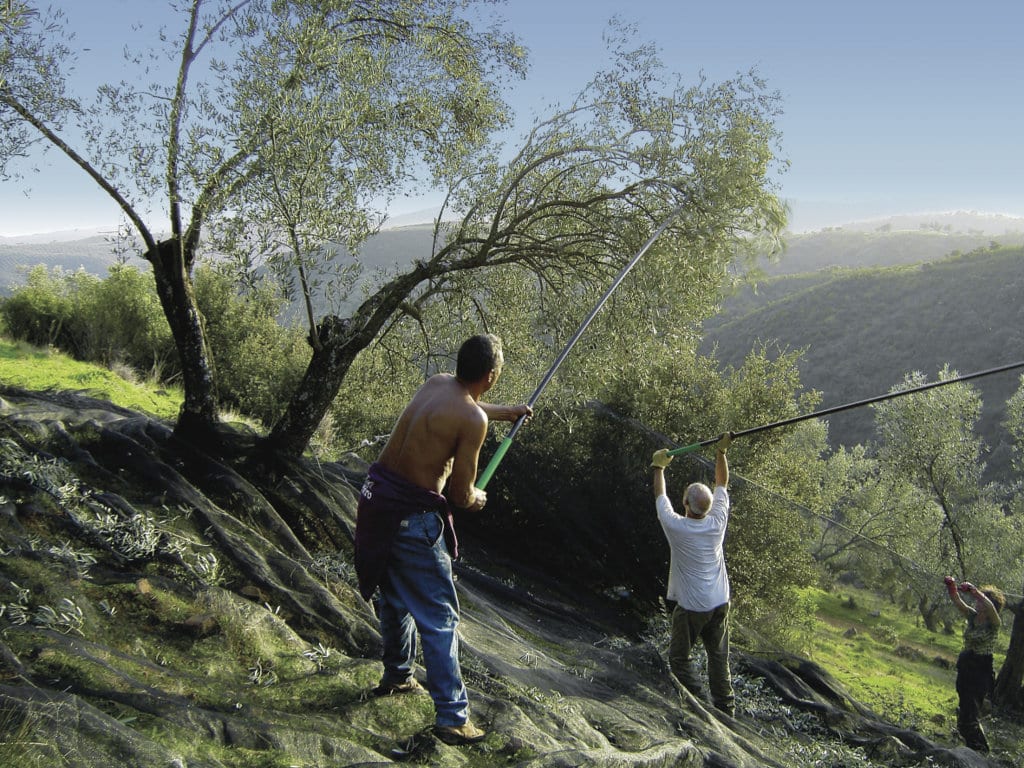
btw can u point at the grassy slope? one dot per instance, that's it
(39, 370)
(889, 661)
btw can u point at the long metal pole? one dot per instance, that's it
(847, 407)
(488, 472)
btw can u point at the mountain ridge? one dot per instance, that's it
(896, 239)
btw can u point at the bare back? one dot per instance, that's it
(437, 437)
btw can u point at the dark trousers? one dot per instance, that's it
(712, 628)
(974, 681)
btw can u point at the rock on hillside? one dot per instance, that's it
(165, 604)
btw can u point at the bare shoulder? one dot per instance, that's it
(439, 381)
(450, 400)
(439, 389)
(473, 415)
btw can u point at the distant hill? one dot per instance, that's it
(968, 222)
(882, 242)
(94, 253)
(896, 240)
(863, 329)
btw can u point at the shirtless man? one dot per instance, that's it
(405, 537)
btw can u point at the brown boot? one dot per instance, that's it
(409, 686)
(467, 733)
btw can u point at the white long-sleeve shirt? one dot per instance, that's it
(697, 577)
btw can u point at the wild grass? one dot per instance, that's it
(888, 660)
(23, 365)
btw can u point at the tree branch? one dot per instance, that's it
(7, 98)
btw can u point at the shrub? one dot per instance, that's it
(120, 319)
(259, 363)
(106, 321)
(38, 311)
(885, 633)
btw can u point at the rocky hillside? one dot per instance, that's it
(167, 604)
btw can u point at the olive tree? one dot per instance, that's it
(928, 441)
(378, 88)
(581, 191)
(878, 527)
(1009, 690)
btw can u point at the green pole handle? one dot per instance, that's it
(486, 475)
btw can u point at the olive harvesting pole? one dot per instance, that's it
(488, 472)
(848, 406)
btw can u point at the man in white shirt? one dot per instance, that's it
(698, 582)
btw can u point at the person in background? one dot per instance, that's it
(698, 582)
(975, 677)
(405, 536)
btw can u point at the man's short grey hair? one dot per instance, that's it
(698, 496)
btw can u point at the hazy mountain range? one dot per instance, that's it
(893, 240)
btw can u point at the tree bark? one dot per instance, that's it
(1009, 693)
(929, 614)
(198, 413)
(327, 368)
(337, 344)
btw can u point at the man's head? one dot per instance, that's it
(697, 500)
(480, 357)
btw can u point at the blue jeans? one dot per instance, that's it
(418, 593)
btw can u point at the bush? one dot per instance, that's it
(118, 321)
(885, 633)
(38, 311)
(106, 321)
(258, 362)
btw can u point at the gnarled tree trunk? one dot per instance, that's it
(177, 297)
(929, 609)
(337, 344)
(1009, 693)
(332, 357)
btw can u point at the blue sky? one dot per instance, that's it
(890, 107)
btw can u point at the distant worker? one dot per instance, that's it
(697, 581)
(405, 536)
(975, 676)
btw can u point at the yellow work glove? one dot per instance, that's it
(661, 459)
(724, 442)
